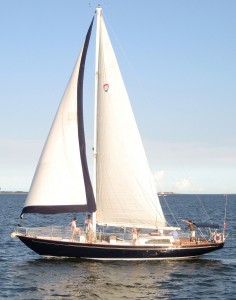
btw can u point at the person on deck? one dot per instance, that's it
(192, 230)
(74, 229)
(89, 229)
(134, 235)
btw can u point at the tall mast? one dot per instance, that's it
(98, 12)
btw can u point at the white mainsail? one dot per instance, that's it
(125, 192)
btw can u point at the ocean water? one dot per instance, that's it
(26, 275)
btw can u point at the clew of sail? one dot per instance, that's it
(125, 191)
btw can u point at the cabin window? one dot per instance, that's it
(154, 241)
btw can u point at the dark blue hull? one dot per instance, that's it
(97, 251)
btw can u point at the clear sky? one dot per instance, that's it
(178, 59)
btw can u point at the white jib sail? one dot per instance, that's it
(58, 179)
(125, 193)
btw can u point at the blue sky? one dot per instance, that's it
(178, 59)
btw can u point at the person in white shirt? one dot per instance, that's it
(74, 229)
(89, 229)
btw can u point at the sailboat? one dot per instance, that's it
(127, 217)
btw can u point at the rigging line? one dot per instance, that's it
(204, 208)
(163, 196)
(170, 212)
(199, 199)
(191, 183)
(226, 200)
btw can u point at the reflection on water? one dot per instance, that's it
(67, 278)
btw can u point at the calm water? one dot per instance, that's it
(26, 275)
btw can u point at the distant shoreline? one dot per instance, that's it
(11, 192)
(159, 194)
(163, 194)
